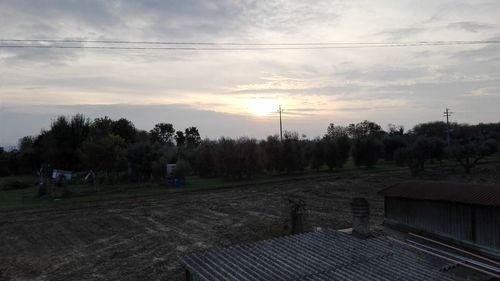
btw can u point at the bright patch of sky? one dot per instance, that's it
(231, 92)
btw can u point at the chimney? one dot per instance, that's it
(297, 216)
(360, 217)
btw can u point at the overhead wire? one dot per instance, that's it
(246, 44)
(220, 46)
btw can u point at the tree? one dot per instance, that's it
(4, 159)
(29, 158)
(10, 163)
(334, 132)
(422, 150)
(192, 135)
(468, 153)
(205, 164)
(237, 159)
(272, 151)
(164, 155)
(318, 154)
(140, 157)
(365, 129)
(162, 133)
(292, 153)
(80, 128)
(227, 160)
(396, 130)
(104, 154)
(337, 146)
(180, 139)
(61, 143)
(431, 129)
(392, 142)
(437, 148)
(125, 129)
(182, 169)
(331, 153)
(101, 127)
(366, 151)
(57, 147)
(249, 156)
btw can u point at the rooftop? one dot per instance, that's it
(324, 255)
(467, 193)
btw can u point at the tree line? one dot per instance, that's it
(117, 151)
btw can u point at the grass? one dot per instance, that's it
(26, 198)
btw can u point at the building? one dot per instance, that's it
(323, 255)
(467, 215)
(357, 254)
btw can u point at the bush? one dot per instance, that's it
(14, 185)
(182, 169)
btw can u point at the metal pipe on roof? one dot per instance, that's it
(463, 263)
(465, 259)
(454, 248)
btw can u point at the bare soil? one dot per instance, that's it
(142, 239)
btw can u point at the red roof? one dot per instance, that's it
(468, 193)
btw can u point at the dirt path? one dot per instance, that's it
(142, 239)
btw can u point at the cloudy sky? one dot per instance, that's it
(228, 92)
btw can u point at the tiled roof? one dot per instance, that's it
(479, 194)
(325, 255)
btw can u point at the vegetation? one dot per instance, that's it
(118, 153)
(469, 152)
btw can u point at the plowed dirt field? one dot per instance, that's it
(141, 239)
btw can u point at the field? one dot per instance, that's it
(141, 239)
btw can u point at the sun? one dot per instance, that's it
(262, 107)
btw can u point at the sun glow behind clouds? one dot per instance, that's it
(262, 107)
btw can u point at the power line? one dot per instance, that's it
(206, 46)
(249, 44)
(281, 124)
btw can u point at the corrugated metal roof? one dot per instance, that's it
(326, 255)
(479, 194)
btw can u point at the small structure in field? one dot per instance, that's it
(465, 214)
(58, 174)
(170, 170)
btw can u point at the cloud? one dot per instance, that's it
(471, 26)
(212, 88)
(403, 33)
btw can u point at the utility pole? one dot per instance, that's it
(447, 114)
(281, 126)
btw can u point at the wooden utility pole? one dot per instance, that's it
(281, 126)
(447, 114)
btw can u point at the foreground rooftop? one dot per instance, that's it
(323, 255)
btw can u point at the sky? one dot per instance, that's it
(237, 93)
